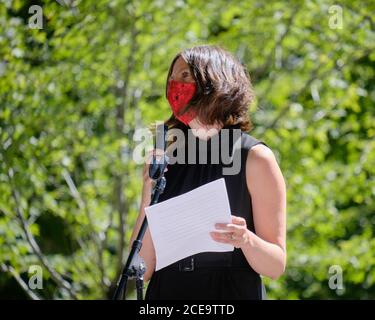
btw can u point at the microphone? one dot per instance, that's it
(157, 166)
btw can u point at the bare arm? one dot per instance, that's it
(147, 251)
(266, 250)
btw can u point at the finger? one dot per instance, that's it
(222, 235)
(234, 242)
(238, 220)
(157, 153)
(228, 227)
(149, 156)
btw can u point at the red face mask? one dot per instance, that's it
(179, 94)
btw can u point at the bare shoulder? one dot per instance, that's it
(262, 168)
(260, 155)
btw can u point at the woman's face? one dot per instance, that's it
(181, 71)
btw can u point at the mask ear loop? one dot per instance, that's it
(208, 88)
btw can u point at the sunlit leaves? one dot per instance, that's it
(61, 89)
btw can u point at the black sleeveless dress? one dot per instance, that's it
(211, 275)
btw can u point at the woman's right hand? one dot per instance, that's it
(147, 181)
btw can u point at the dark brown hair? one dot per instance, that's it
(224, 89)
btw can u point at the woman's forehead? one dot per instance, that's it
(180, 64)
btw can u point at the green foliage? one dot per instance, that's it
(73, 93)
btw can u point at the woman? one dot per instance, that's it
(209, 90)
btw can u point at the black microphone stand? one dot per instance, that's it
(135, 267)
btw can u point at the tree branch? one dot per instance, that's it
(58, 279)
(82, 204)
(313, 76)
(122, 207)
(270, 58)
(20, 281)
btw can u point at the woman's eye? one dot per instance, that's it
(185, 74)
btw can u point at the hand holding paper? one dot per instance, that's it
(180, 226)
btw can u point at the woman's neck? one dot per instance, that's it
(203, 131)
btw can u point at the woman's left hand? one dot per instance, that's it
(236, 233)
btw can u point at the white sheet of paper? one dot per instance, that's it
(180, 226)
